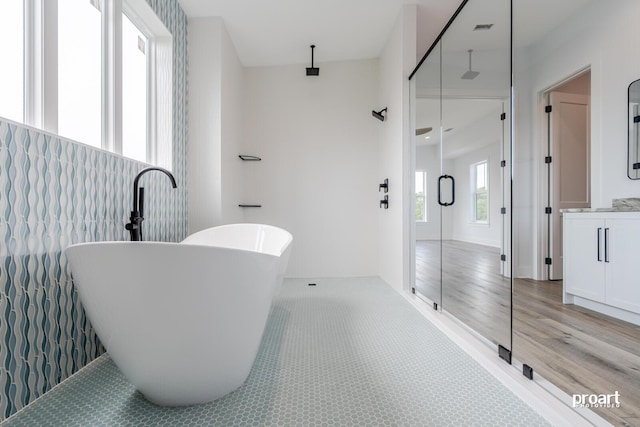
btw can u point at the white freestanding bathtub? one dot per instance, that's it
(183, 321)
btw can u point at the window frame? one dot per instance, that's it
(473, 171)
(15, 108)
(40, 94)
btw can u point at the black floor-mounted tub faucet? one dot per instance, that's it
(137, 212)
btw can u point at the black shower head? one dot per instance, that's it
(378, 114)
(313, 71)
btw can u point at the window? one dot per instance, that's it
(12, 70)
(134, 91)
(95, 71)
(421, 196)
(479, 193)
(79, 72)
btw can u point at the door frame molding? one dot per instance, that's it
(539, 173)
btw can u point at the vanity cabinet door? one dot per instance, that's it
(623, 268)
(584, 266)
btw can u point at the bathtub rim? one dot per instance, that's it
(168, 244)
(283, 248)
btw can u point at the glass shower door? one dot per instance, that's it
(476, 88)
(428, 169)
(462, 92)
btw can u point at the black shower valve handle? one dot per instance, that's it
(385, 202)
(384, 185)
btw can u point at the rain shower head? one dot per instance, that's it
(470, 75)
(313, 71)
(378, 114)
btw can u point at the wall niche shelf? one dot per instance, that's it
(247, 158)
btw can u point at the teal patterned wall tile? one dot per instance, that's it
(54, 193)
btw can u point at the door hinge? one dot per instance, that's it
(503, 116)
(547, 109)
(504, 354)
(636, 166)
(503, 211)
(435, 306)
(636, 119)
(503, 163)
(413, 290)
(548, 211)
(547, 261)
(503, 257)
(547, 159)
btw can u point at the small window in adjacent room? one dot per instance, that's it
(479, 193)
(12, 70)
(421, 196)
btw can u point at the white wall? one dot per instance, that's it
(457, 222)
(463, 229)
(323, 154)
(203, 148)
(215, 125)
(396, 62)
(603, 37)
(319, 173)
(428, 159)
(232, 119)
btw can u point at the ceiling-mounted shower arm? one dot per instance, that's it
(312, 71)
(470, 74)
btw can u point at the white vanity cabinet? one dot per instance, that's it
(602, 262)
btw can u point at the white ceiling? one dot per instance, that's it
(279, 32)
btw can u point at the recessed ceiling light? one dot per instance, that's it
(483, 27)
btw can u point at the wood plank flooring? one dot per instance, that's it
(578, 350)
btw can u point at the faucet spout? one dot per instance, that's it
(137, 213)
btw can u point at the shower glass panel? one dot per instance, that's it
(475, 93)
(463, 92)
(576, 333)
(428, 160)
